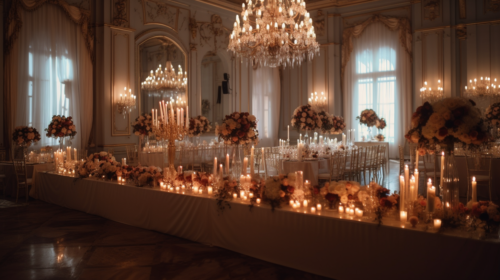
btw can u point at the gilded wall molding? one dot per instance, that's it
(319, 23)
(491, 6)
(212, 32)
(121, 13)
(432, 9)
(461, 32)
(115, 131)
(159, 13)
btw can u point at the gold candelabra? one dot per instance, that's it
(171, 130)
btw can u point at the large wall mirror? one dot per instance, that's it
(163, 73)
(214, 100)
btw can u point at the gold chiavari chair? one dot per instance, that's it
(22, 178)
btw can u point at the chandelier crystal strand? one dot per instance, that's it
(281, 34)
(167, 79)
(431, 95)
(126, 103)
(483, 87)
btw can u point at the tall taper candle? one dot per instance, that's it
(442, 170)
(76, 158)
(245, 166)
(215, 167)
(474, 190)
(227, 164)
(221, 171)
(415, 194)
(252, 161)
(288, 133)
(402, 192)
(431, 194)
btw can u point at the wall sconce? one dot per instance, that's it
(483, 87)
(431, 95)
(318, 101)
(126, 103)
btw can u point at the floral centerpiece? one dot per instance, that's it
(483, 216)
(344, 192)
(199, 125)
(61, 126)
(239, 129)
(338, 125)
(449, 121)
(380, 137)
(25, 136)
(143, 125)
(493, 115)
(326, 122)
(280, 189)
(305, 118)
(381, 124)
(368, 117)
(99, 164)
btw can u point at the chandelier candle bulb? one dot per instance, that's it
(474, 190)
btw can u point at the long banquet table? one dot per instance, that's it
(319, 243)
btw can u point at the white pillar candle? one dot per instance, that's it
(195, 189)
(119, 179)
(437, 223)
(401, 191)
(307, 185)
(341, 209)
(258, 200)
(250, 195)
(249, 179)
(235, 195)
(404, 216)
(200, 191)
(360, 213)
(177, 189)
(474, 190)
(288, 134)
(318, 206)
(313, 210)
(183, 187)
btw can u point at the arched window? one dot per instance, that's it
(375, 85)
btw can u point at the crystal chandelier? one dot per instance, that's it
(431, 95)
(167, 79)
(481, 88)
(281, 33)
(126, 103)
(318, 101)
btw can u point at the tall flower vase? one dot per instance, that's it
(237, 162)
(369, 136)
(61, 143)
(306, 138)
(448, 186)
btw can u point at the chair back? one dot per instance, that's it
(337, 165)
(20, 169)
(132, 155)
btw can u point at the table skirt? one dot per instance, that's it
(320, 244)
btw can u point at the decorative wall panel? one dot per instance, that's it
(156, 12)
(120, 78)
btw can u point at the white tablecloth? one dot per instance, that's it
(151, 159)
(320, 244)
(310, 168)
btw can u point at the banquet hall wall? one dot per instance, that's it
(454, 41)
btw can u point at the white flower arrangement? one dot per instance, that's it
(306, 118)
(199, 125)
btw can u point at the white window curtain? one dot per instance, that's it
(54, 73)
(378, 77)
(266, 104)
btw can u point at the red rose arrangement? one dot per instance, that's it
(239, 129)
(61, 126)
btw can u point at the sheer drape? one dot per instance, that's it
(266, 104)
(54, 75)
(378, 77)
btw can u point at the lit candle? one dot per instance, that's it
(258, 200)
(437, 223)
(242, 194)
(183, 187)
(307, 185)
(200, 191)
(123, 181)
(235, 195)
(76, 158)
(318, 206)
(415, 191)
(341, 209)
(195, 189)
(305, 203)
(221, 171)
(249, 179)
(313, 210)
(431, 194)
(474, 190)
(402, 191)
(177, 189)
(227, 164)
(250, 195)
(288, 133)
(119, 179)
(404, 216)
(359, 213)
